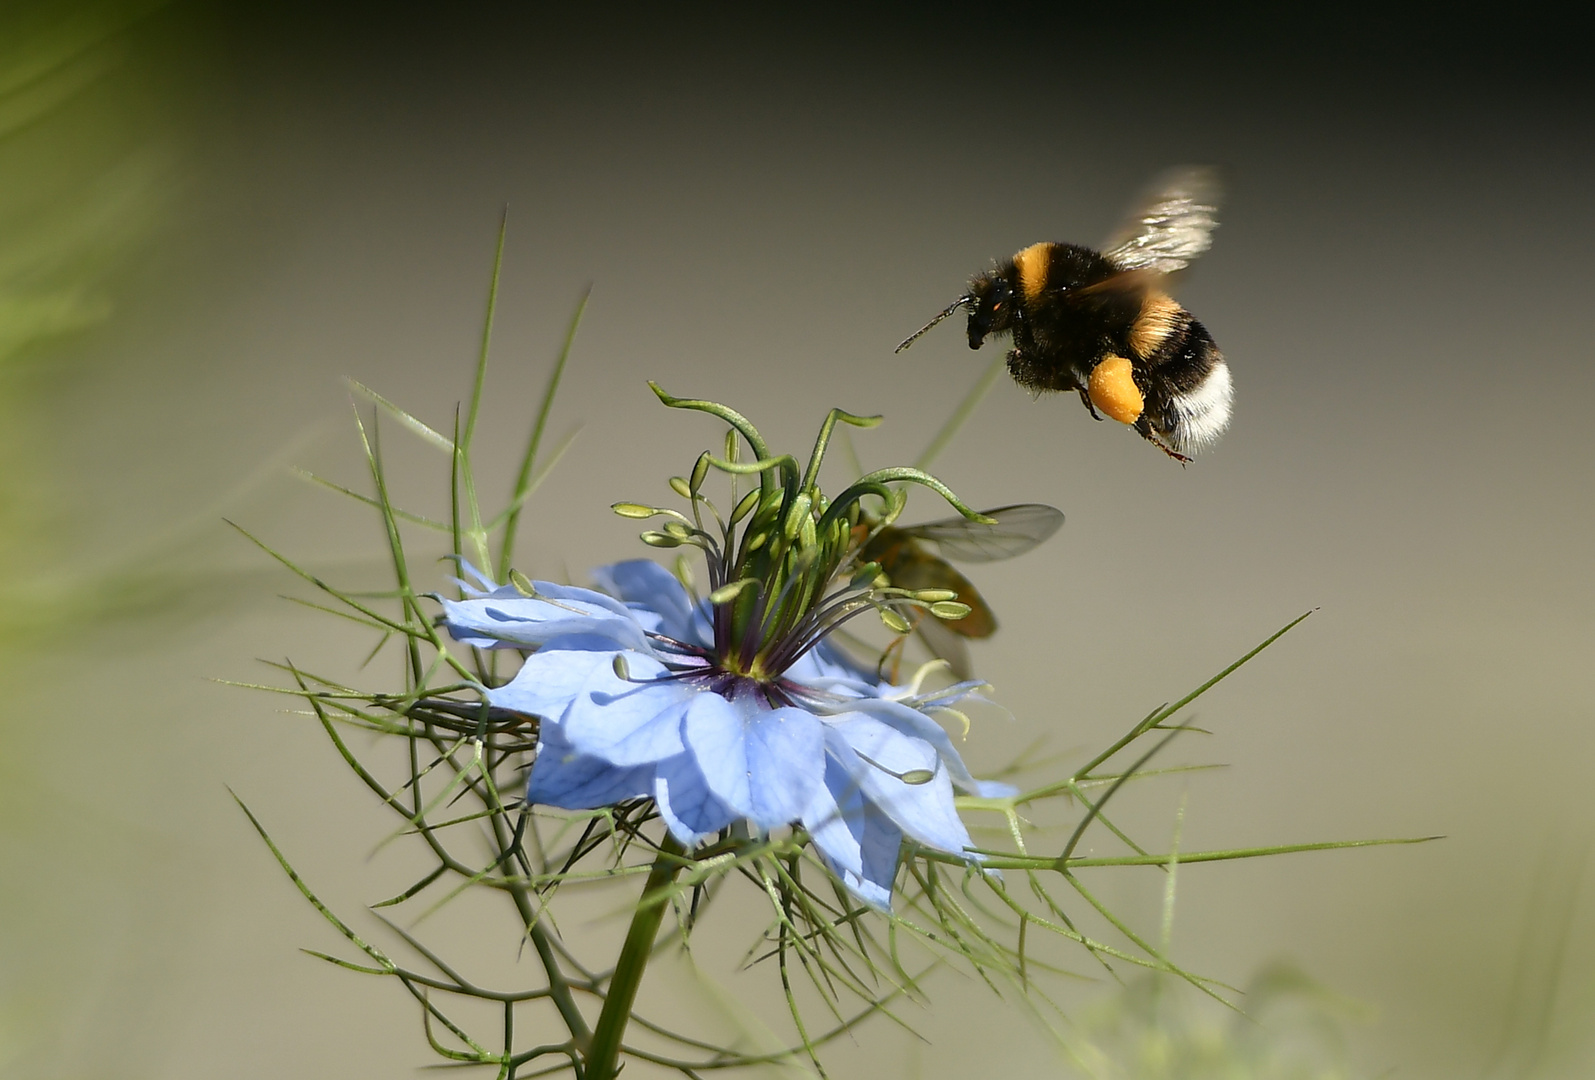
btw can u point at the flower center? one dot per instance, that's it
(783, 564)
(700, 668)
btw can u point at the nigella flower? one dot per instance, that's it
(737, 709)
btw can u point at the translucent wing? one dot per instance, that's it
(1172, 227)
(1018, 529)
(945, 643)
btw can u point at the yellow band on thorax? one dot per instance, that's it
(1032, 263)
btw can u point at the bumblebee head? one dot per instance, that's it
(990, 304)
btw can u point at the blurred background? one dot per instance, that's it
(211, 215)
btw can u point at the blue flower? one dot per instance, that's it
(640, 697)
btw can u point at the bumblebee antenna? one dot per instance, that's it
(961, 302)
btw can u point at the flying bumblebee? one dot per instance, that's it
(1100, 323)
(908, 563)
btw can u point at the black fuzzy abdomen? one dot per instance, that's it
(1179, 367)
(1186, 355)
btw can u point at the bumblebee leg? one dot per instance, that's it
(1022, 371)
(1144, 428)
(1085, 399)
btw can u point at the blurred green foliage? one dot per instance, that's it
(1292, 1029)
(84, 152)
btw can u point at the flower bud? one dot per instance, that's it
(796, 515)
(745, 507)
(700, 471)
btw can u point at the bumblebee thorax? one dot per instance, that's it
(1050, 267)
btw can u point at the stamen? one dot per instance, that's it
(913, 777)
(817, 623)
(815, 638)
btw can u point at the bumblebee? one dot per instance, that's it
(908, 562)
(1100, 323)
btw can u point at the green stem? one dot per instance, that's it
(988, 378)
(536, 929)
(603, 1057)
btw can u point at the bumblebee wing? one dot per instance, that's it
(1172, 226)
(1018, 529)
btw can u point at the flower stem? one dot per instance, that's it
(603, 1056)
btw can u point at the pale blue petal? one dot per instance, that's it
(549, 681)
(576, 595)
(951, 695)
(834, 819)
(656, 598)
(524, 622)
(995, 789)
(690, 810)
(882, 844)
(716, 736)
(502, 617)
(550, 590)
(480, 584)
(835, 686)
(563, 778)
(765, 763)
(627, 721)
(957, 694)
(924, 811)
(915, 724)
(833, 659)
(786, 764)
(881, 743)
(585, 643)
(856, 842)
(876, 894)
(486, 588)
(827, 667)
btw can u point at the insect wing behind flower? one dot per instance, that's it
(1172, 226)
(944, 642)
(1018, 529)
(909, 565)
